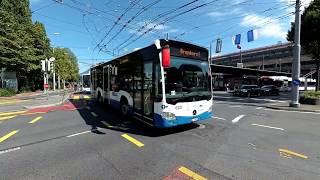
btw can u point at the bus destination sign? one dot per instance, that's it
(188, 53)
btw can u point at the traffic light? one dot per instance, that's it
(43, 65)
(49, 66)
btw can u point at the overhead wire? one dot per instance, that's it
(168, 19)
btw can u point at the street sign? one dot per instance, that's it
(46, 86)
(296, 82)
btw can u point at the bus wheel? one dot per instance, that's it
(124, 107)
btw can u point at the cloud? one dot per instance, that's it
(304, 3)
(267, 27)
(154, 26)
(225, 13)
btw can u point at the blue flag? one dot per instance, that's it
(252, 35)
(236, 39)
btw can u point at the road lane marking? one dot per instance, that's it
(5, 137)
(10, 150)
(12, 102)
(288, 152)
(215, 117)
(235, 120)
(94, 114)
(35, 120)
(106, 124)
(7, 117)
(12, 113)
(133, 140)
(271, 127)
(76, 134)
(235, 106)
(191, 174)
(259, 107)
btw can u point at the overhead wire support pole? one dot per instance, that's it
(296, 59)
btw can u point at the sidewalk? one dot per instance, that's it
(303, 107)
(39, 101)
(30, 95)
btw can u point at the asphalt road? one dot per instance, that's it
(82, 140)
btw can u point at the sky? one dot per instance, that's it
(100, 30)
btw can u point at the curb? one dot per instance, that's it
(48, 105)
(290, 109)
(273, 107)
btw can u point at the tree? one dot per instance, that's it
(66, 64)
(22, 44)
(310, 34)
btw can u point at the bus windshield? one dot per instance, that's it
(86, 81)
(187, 80)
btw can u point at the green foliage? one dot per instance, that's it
(310, 29)
(66, 64)
(24, 44)
(7, 92)
(312, 94)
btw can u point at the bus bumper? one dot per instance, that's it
(180, 120)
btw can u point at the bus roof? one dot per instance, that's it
(162, 43)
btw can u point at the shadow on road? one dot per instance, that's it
(102, 116)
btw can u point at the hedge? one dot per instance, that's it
(7, 92)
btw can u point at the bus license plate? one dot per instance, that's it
(195, 119)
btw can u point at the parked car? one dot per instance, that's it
(269, 90)
(247, 90)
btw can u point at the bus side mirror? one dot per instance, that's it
(166, 56)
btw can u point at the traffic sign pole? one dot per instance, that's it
(296, 59)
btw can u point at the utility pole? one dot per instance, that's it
(296, 59)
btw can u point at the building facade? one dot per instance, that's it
(273, 58)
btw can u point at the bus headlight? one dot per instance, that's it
(168, 116)
(244, 90)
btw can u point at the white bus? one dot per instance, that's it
(165, 84)
(85, 82)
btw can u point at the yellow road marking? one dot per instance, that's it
(288, 152)
(191, 174)
(94, 114)
(7, 117)
(12, 101)
(133, 140)
(86, 97)
(76, 97)
(12, 113)
(35, 120)
(5, 137)
(106, 124)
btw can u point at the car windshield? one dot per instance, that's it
(187, 78)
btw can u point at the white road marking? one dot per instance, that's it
(236, 106)
(271, 127)
(291, 111)
(76, 134)
(259, 107)
(235, 120)
(218, 118)
(10, 150)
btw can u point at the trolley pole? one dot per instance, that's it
(296, 59)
